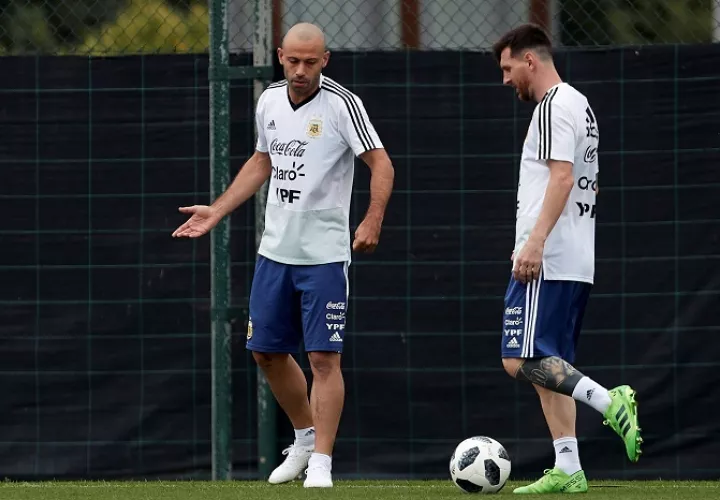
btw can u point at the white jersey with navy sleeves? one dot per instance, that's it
(312, 149)
(563, 128)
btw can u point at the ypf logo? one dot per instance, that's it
(586, 209)
(287, 195)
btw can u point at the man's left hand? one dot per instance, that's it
(367, 235)
(527, 264)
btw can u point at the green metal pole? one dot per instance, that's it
(267, 407)
(219, 243)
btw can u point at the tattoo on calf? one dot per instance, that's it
(553, 373)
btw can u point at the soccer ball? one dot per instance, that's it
(480, 465)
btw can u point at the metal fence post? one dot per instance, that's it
(219, 243)
(267, 407)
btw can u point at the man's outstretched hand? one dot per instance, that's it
(203, 219)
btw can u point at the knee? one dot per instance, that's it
(511, 365)
(324, 364)
(266, 360)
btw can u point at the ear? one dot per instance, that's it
(280, 54)
(326, 58)
(529, 59)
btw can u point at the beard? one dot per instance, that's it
(523, 92)
(303, 86)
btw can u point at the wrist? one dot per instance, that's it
(374, 217)
(217, 211)
(537, 238)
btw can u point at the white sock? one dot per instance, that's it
(590, 392)
(320, 460)
(305, 437)
(567, 458)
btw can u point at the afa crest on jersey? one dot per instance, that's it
(314, 128)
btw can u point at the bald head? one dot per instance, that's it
(303, 56)
(305, 34)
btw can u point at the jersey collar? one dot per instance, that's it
(548, 90)
(312, 96)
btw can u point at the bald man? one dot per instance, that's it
(310, 129)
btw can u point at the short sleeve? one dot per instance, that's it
(557, 138)
(355, 126)
(261, 144)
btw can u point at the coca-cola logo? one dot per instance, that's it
(294, 148)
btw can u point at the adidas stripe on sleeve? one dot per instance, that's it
(354, 123)
(556, 130)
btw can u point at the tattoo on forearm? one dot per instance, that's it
(552, 373)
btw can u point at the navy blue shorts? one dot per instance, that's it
(543, 318)
(290, 304)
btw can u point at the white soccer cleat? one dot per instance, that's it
(318, 477)
(294, 464)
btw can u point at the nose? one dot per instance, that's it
(506, 80)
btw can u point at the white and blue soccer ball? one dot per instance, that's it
(480, 465)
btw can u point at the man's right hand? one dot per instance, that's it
(203, 219)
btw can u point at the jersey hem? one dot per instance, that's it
(303, 262)
(308, 211)
(553, 157)
(365, 150)
(567, 277)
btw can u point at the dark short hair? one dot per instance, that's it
(524, 37)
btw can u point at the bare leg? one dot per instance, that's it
(327, 398)
(554, 380)
(559, 413)
(288, 384)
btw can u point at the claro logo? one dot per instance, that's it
(584, 183)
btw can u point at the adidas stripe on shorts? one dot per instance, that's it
(543, 318)
(290, 304)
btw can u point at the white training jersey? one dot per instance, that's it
(563, 128)
(312, 148)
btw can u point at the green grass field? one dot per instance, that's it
(391, 490)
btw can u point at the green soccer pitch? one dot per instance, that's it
(375, 490)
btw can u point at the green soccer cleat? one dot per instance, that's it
(556, 481)
(622, 417)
